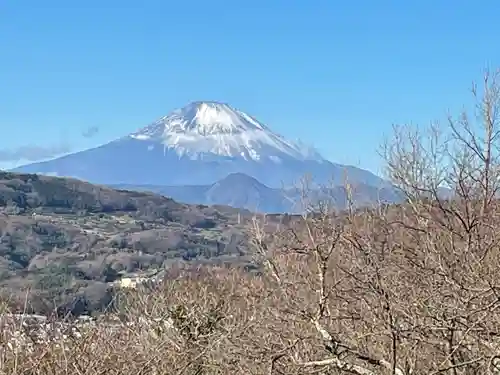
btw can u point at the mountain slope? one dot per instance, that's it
(242, 191)
(65, 239)
(200, 144)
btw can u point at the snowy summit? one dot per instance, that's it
(201, 129)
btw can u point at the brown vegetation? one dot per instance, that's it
(65, 240)
(403, 289)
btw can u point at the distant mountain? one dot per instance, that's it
(242, 191)
(200, 144)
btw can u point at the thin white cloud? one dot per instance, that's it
(32, 153)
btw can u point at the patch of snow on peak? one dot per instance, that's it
(212, 128)
(142, 137)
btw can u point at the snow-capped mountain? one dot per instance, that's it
(200, 144)
(203, 130)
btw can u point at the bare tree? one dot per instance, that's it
(409, 288)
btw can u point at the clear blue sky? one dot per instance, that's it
(336, 74)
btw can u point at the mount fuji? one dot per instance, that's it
(200, 144)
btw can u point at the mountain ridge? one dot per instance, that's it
(241, 191)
